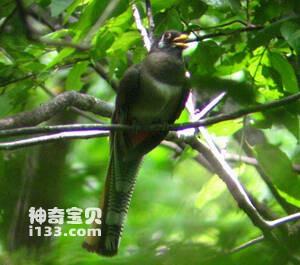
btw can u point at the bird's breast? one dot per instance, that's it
(156, 100)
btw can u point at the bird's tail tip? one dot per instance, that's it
(107, 250)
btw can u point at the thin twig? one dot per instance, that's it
(284, 220)
(101, 71)
(9, 82)
(250, 160)
(17, 144)
(247, 244)
(226, 33)
(225, 24)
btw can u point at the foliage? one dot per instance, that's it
(181, 212)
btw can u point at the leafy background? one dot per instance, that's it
(181, 212)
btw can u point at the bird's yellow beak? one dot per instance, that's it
(181, 40)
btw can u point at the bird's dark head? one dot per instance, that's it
(171, 41)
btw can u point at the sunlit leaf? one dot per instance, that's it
(291, 32)
(210, 191)
(226, 128)
(73, 81)
(286, 71)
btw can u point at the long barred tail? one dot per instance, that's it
(119, 184)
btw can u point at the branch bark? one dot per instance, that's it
(100, 107)
(56, 105)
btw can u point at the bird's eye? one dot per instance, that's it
(167, 36)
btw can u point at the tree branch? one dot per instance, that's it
(236, 189)
(251, 160)
(56, 105)
(237, 114)
(141, 28)
(97, 106)
(226, 33)
(151, 24)
(16, 144)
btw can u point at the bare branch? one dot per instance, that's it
(277, 222)
(56, 105)
(247, 244)
(237, 114)
(76, 110)
(250, 160)
(151, 24)
(236, 189)
(284, 220)
(97, 106)
(54, 129)
(226, 33)
(16, 144)
(141, 28)
(224, 171)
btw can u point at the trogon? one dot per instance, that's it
(152, 92)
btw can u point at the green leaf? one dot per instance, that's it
(278, 167)
(226, 128)
(103, 42)
(89, 16)
(4, 59)
(44, 3)
(289, 199)
(286, 71)
(168, 19)
(292, 124)
(65, 52)
(158, 4)
(71, 8)
(263, 37)
(232, 63)
(111, 33)
(58, 6)
(291, 32)
(73, 81)
(210, 191)
(192, 9)
(124, 42)
(204, 58)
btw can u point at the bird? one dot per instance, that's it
(151, 92)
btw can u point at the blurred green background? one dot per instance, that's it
(181, 212)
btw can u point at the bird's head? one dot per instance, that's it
(171, 40)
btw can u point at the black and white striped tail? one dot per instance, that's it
(118, 190)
